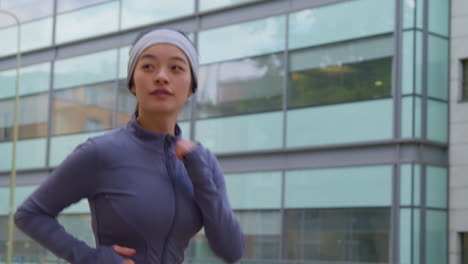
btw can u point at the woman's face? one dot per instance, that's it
(162, 79)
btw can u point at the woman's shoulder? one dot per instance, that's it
(111, 143)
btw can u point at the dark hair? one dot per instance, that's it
(194, 81)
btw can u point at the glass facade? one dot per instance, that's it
(317, 86)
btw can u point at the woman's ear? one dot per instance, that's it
(132, 89)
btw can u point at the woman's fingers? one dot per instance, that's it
(124, 251)
(128, 261)
(183, 147)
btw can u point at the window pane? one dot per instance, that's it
(436, 237)
(409, 235)
(338, 22)
(33, 79)
(411, 117)
(412, 14)
(87, 69)
(362, 121)
(341, 83)
(412, 62)
(28, 9)
(136, 13)
(32, 118)
(214, 4)
(241, 133)
(82, 23)
(124, 54)
(261, 230)
(67, 5)
(439, 17)
(83, 109)
(438, 64)
(236, 41)
(464, 248)
(410, 184)
(243, 86)
(350, 186)
(437, 187)
(79, 226)
(126, 103)
(34, 35)
(30, 154)
(62, 146)
(437, 120)
(261, 190)
(354, 235)
(352, 71)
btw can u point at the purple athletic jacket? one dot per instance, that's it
(141, 196)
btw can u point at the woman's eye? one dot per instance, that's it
(177, 68)
(147, 66)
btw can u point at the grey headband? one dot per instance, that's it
(167, 36)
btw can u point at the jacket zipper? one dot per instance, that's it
(171, 177)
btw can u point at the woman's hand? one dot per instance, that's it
(183, 147)
(125, 252)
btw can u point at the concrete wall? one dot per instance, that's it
(458, 152)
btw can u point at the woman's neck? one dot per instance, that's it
(157, 123)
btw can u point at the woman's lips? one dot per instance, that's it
(161, 93)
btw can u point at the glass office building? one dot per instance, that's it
(329, 118)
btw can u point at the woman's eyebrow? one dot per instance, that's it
(179, 59)
(152, 57)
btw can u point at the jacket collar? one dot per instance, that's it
(146, 135)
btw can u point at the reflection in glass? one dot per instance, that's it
(236, 41)
(340, 123)
(436, 237)
(33, 79)
(67, 5)
(83, 109)
(354, 235)
(35, 34)
(32, 117)
(437, 67)
(464, 247)
(411, 116)
(250, 132)
(370, 186)
(26, 10)
(214, 4)
(261, 231)
(437, 187)
(29, 251)
(244, 86)
(341, 83)
(82, 23)
(126, 103)
(86, 69)
(136, 13)
(257, 190)
(439, 17)
(437, 120)
(342, 21)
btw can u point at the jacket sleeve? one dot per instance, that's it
(73, 180)
(222, 229)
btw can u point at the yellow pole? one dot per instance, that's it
(9, 252)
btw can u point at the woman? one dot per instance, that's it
(149, 190)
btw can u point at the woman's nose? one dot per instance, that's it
(161, 76)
